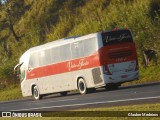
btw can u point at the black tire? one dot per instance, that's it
(64, 93)
(116, 86)
(91, 90)
(112, 86)
(82, 86)
(36, 93)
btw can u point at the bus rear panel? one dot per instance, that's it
(118, 57)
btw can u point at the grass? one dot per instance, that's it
(10, 93)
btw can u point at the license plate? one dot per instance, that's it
(124, 76)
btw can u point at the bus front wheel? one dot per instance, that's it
(82, 86)
(36, 93)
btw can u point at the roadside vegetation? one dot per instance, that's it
(27, 23)
(10, 93)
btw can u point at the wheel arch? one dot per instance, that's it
(32, 86)
(79, 77)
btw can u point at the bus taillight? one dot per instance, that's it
(115, 29)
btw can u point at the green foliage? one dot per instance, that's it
(11, 93)
(37, 22)
(6, 72)
(155, 9)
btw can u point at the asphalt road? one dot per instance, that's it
(137, 94)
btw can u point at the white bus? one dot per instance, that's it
(102, 59)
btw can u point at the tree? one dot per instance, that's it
(13, 10)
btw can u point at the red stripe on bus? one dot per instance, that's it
(63, 67)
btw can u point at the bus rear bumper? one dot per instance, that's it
(121, 78)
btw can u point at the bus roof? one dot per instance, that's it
(67, 40)
(60, 42)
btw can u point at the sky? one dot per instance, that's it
(2, 1)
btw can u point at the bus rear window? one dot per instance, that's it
(114, 37)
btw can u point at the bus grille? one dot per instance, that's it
(96, 75)
(120, 54)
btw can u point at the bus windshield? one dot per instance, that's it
(118, 36)
(19, 71)
(22, 72)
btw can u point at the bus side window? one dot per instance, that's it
(77, 49)
(45, 57)
(90, 46)
(34, 60)
(55, 55)
(65, 52)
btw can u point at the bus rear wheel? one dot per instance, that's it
(112, 86)
(36, 93)
(82, 86)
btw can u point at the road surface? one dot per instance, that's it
(136, 94)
